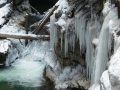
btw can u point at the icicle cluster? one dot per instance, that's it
(80, 30)
(86, 32)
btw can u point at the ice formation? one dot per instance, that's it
(104, 47)
(53, 31)
(86, 31)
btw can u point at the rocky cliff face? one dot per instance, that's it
(81, 35)
(13, 14)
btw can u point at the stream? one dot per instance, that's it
(26, 73)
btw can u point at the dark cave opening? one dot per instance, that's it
(42, 5)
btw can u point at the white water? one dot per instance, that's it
(28, 69)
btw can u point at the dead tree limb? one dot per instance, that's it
(44, 20)
(24, 36)
(34, 9)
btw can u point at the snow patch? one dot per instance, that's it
(3, 1)
(4, 46)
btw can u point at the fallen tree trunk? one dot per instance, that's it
(44, 20)
(24, 36)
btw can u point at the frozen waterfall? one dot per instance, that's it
(104, 48)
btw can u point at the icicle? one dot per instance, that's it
(71, 41)
(80, 30)
(102, 55)
(66, 37)
(91, 12)
(90, 57)
(103, 48)
(66, 43)
(53, 31)
(61, 40)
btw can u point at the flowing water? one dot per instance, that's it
(26, 73)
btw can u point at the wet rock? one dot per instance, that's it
(84, 83)
(50, 74)
(58, 14)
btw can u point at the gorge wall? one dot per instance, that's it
(83, 33)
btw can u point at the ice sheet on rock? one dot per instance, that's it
(50, 58)
(4, 46)
(68, 76)
(12, 55)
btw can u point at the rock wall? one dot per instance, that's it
(72, 51)
(13, 15)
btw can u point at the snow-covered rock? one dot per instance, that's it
(4, 49)
(110, 79)
(4, 46)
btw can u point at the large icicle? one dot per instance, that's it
(66, 37)
(91, 31)
(104, 47)
(53, 31)
(80, 30)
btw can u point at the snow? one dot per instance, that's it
(107, 7)
(61, 22)
(105, 83)
(3, 1)
(4, 11)
(4, 46)
(63, 5)
(110, 79)
(19, 36)
(95, 41)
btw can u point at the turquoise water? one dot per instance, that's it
(26, 73)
